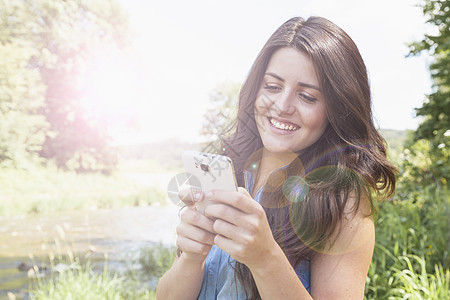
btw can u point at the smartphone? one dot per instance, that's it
(207, 171)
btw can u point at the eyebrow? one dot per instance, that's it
(298, 83)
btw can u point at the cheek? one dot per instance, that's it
(317, 120)
(259, 107)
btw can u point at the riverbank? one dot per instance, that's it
(112, 235)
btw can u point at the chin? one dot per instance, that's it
(278, 148)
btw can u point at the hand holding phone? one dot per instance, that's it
(207, 171)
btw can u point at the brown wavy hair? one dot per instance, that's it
(350, 158)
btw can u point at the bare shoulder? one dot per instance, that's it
(355, 229)
(339, 272)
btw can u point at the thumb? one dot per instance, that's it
(190, 195)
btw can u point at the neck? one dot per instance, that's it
(271, 161)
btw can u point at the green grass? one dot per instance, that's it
(42, 190)
(155, 261)
(81, 282)
(411, 258)
(414, 282)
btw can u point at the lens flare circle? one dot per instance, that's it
(295, 189)
(182, 182)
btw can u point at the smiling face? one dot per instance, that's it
(290, 109)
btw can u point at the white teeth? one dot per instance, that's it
(279, 125)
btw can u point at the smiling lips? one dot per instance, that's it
(283, 125)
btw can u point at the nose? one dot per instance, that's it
(284, 103)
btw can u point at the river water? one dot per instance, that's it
(117, 234)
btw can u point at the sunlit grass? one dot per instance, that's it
(413, 281)
(411, 260)
(65, 274)
(78, 282)
(155, 261)
(43, 190)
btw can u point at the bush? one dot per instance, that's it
(411, 259)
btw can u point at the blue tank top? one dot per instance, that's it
(219, 281)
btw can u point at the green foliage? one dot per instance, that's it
(83, 283)
(411, 257)
(80, 281)
(436, 111)
(414, 282)
(222, 111)
(406, 278)
(411, 250)
(395, 140)
(22, 130)
(46, 48)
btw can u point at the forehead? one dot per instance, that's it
(293, 65)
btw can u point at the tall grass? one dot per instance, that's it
(155, 261)
(81, 282)
(411, 259)
(414, 282)
(76, 280)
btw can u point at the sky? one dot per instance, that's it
(181, 50)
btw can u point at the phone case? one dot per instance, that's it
(207, 171)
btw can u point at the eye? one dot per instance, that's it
(307, 97)
(272, 88)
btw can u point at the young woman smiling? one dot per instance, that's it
(309, 161)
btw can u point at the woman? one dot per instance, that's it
(309, 160)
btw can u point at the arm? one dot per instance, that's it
(184, 278)
(245, 234)
(182, 281)
(340, 272)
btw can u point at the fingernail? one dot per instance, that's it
(198, 197)
(208, 195)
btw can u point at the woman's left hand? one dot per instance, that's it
(241, 226)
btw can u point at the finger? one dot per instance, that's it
(227, 213)
(227, 230)
(190, 195)
(227, 245)
(193, 217)
(244, 191)
(195, 233)
(240, 200)
(187, 245)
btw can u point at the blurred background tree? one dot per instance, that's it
(435, 129)
(222, 109)
(22, 92)
(46, 48)
(219, 117)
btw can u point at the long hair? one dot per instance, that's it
(348, 159)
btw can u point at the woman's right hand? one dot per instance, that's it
(195, 231)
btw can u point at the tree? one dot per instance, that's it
(436, 110)
(22, 129)
(62, 37)
(219, 117)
